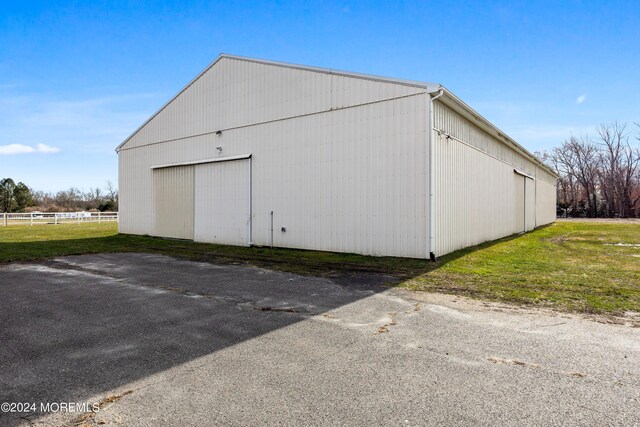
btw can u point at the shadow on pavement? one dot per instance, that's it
(79, 326)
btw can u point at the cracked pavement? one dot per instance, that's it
(161, 341)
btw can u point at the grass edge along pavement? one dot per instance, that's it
(587, 267)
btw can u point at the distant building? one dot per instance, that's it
(255, 152)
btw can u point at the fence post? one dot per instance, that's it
(55, 221)
(99, 217)
(31, 218)
(78, 217)
(5, 219)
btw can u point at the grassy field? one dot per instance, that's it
(576, 266)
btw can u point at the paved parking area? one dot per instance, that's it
(161, 341)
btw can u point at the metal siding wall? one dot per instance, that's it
(545, 198)
(123, 204)
(222, 202)
(135, 195)
(459, 127)
(518, 201)
(530, 204)
(478, 196)
(173, 190)
(237, 93)
(471, 206)
(351, 180)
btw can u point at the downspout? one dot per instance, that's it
(432, 210)
(250, 201)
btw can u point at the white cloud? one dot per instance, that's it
(6, 150)
(15, 149)
(581, 99)
(80, 125)
(43, 148)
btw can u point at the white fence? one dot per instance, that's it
(34, 218)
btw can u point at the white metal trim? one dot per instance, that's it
(432, 87)
(281, 119)
(199, 162)
(523, 173)
(446, 135)
(250, 201)
(431, 245)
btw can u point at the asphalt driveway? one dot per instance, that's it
(153, 340)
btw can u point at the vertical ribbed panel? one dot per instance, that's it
(478, 196)
(222, 202)
(518, 203)
(351, 180)
(447, 120)
(237, 93)
(530, 204)
(173, 190)
(545, 198)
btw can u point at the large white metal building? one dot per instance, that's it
(255, 152)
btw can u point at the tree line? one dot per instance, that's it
(18, 197)
(599, 175)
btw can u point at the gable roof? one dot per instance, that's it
(430, 87)
(451, 100)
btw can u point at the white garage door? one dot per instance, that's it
(222, 202)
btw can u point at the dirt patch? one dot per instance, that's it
(392, 322)
(477, 304)
(88, 418)
(558, 240)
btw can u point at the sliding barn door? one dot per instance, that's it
(222, 202)
(173, 201)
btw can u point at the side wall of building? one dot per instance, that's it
(546, 194)
(348, 176)
(485, 190)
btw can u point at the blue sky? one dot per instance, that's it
(76, 78)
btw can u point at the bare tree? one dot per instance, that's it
(566, 185)
(19, 197)
(94, 197)
(112, 192)
(619, 170)
(577, 160)
(600, 177)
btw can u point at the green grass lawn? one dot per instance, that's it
(573, 266)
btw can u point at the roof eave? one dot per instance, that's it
(215, 61)
(473, 116)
